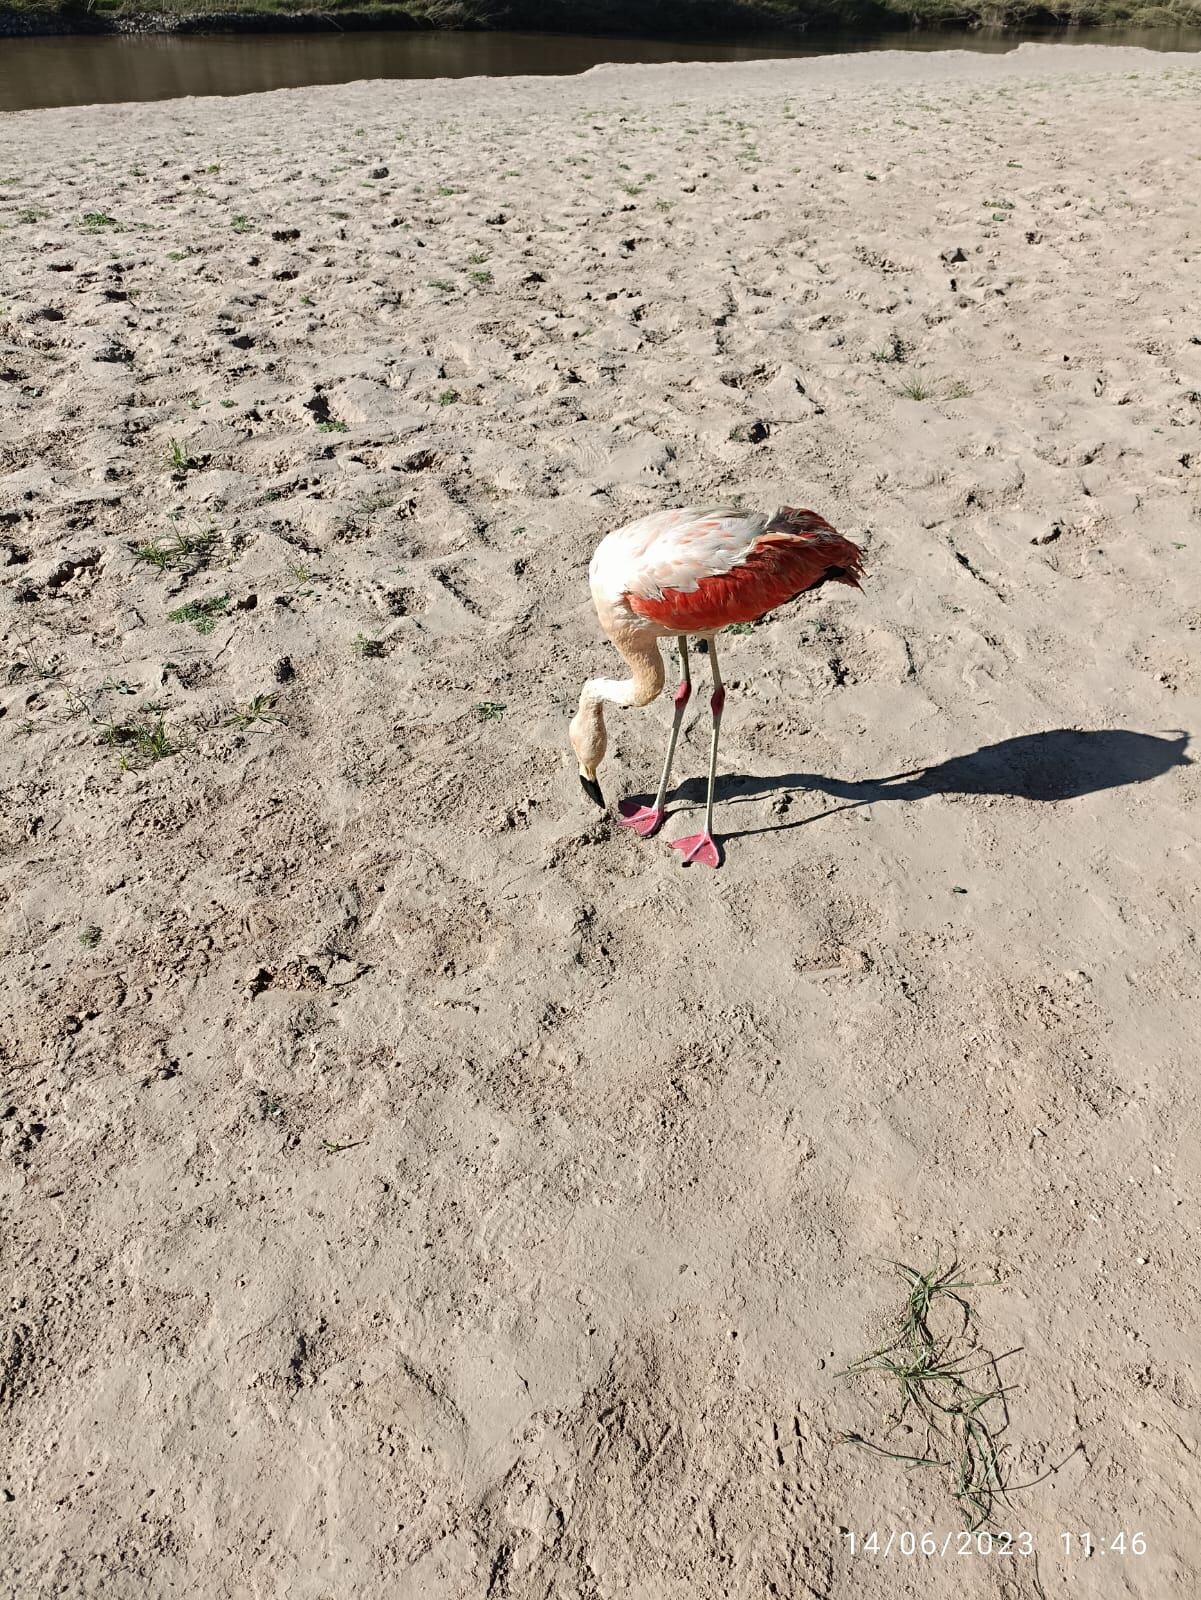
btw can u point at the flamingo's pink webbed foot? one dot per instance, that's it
(645, 820)
(698, 847)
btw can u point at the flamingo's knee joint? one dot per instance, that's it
(718, 701)
(683, 694)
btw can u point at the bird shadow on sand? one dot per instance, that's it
(1060, 764)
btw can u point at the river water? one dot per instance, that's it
(83, 71)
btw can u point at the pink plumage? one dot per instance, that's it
(693, 571)
(697, 571)
(797, 551)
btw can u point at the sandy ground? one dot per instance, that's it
(413, 1185)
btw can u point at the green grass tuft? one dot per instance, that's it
(180, 552)
(260, 709)
(202, 614)
(943, 1376)
(141, 741)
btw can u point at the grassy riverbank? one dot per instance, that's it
(666, 18)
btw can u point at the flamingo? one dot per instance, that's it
(692, 572)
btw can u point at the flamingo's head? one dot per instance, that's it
(589, 741)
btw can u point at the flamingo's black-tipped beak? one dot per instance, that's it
(593, 790)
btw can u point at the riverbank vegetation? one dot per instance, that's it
(713, 19)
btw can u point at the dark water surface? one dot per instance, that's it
(82, 71)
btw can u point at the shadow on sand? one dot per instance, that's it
(1060, 764)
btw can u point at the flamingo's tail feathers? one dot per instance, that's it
(846, 575)
(825, 555)
(788, 519)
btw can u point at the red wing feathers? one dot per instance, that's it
(798, 550)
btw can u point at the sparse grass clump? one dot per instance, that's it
(894, 352)
(489, 710)
(366, 506)
(260, 709)
(201, 614)
(180, 552)
(930, 1359)
(89, 937)
(915, 389)
(368, 646)
(179, 457)
(141, 741)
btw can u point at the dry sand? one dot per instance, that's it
(416, 1186)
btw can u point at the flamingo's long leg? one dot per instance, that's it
(682, 696)
(717, 704)
(647, 820)
(700, 846)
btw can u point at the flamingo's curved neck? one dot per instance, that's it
(646, 666)
(588, 735)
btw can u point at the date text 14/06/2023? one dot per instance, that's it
(986, 1542)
